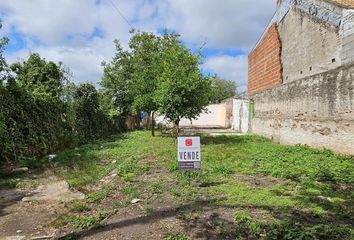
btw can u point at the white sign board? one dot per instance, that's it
(188, 153)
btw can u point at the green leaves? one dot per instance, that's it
(3, 65)
(40, 78)
(158, 74)
(183, 92)
(221, 89)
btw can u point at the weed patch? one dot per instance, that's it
(98, 196)
(130, 169)
(82, 221)
(79, 207)
(178, 236)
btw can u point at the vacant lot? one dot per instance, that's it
(248, 188)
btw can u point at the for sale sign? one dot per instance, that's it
(189, 153)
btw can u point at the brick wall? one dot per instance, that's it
(344, 3)
(264, 63)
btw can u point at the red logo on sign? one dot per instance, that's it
(189, 142)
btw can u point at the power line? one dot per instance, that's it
(120, 13)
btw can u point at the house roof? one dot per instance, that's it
(343, 3)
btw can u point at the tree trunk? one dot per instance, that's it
(148, 121)
(153, 124)
(177, 127)
(137, 123)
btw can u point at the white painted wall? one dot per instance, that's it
(240, 115)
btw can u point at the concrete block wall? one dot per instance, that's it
(309, 46)
(347, 34)
(317, 110)
(265, 70)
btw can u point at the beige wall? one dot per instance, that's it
(308, 45)
(215, 117)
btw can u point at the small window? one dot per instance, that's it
(333, 60)
(310, 69)
(300, 72)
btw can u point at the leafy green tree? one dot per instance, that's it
(146, 69)
(116, 82)
(33, 113)
(221, 89)
(183, 92)
(3, 65)
(41, 78)
(86, 109)
(91, 122)
(3, 76)
(158, 74)
(131, 77)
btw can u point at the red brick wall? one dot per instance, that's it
(264, 63)
(344, 3)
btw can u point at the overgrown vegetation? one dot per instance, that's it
(42, 112)
(271, 191)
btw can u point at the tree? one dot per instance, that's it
(4, 71)
(116, 81)
(221, 89)
(158, 74)
(40, 78)
(131, 77)
(87, 111)
(146, 69)
(3, 77)
(183, 92)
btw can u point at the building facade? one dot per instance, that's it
(301, 75)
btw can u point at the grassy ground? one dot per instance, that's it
(270, 191)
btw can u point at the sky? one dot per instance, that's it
(80, 33)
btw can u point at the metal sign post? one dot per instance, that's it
(189, 154)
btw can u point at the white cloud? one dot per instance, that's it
(230, 68)
(220, 23)
(50, 21)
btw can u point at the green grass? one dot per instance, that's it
(97, 197)
(131, 168)
(9, 182)
(79, 207)
(83, 221)
(179, 236)
(312, 189)
(131, 191)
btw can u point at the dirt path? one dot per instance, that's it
(26, 213)
(32, 213)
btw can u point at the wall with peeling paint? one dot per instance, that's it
(316, 110)
(309, 45)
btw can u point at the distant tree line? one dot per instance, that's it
(42, 111)
(221, 89)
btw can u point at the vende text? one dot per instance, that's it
(188, 156)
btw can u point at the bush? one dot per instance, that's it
(35, 121)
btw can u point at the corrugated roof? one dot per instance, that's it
(343, 3)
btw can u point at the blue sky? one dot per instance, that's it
(80, 33)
